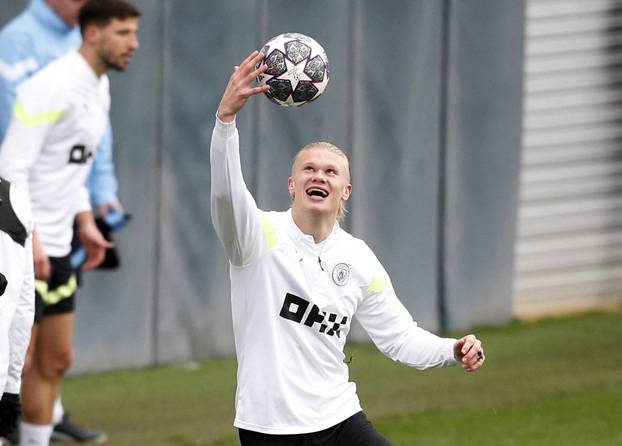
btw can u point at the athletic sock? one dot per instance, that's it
(58, 411)
(34, 434)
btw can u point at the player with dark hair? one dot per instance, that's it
(17, 299)
(297, 280)
(101, 12)
(60, 116)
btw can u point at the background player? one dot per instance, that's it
(17, 299)
(45, 30)
(60, 116)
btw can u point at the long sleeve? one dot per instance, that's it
(21, 325)
(48, 149)
(235, 215)
(102, 182)
(16, 64)
(84, 203)
(17, 305)
(28, 43)
(393, 330)
(24, 140)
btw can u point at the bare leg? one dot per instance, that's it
(50, 357)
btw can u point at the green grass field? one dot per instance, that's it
(553, 382)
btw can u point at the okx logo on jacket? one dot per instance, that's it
(295, 308)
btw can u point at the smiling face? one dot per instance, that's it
(320, 180)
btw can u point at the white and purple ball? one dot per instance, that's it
(297, 69)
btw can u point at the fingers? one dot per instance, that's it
(259, 71)
(247, 67)
(261, 89)
(100, 243)
(42, 265)
(245, 86)
(472, 364)
(98, 240)
(470, 341)
(240, 87)
(106, 245)
(249, 73)
(253, 55)
(96, 252)
(94, 258)
(255, 60)
(42, 268)
(471, 353)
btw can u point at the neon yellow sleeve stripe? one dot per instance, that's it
(378, 284)
(30, 119)
(60, 293)
(269, 231)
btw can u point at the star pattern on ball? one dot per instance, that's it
(294, 74)
(297, 70)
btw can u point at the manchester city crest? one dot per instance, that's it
(341, 274)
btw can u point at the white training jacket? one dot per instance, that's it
(18, 301)
(293, 302)
(60, 116)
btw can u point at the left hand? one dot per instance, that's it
(469, 352)
(94, 243)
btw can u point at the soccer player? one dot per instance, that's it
(17, 299)
(297, 280)
(44, 31)
(60, 117)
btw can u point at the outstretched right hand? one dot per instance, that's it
(240, 88)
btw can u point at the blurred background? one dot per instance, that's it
(485, 145)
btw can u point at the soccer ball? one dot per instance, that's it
(297, 69)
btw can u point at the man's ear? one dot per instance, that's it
(290, 187)
(346, 192)
(91, 34)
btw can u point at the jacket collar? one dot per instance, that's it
(306, 240)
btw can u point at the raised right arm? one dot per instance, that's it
(234, 212)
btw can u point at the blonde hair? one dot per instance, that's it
(323, 145)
